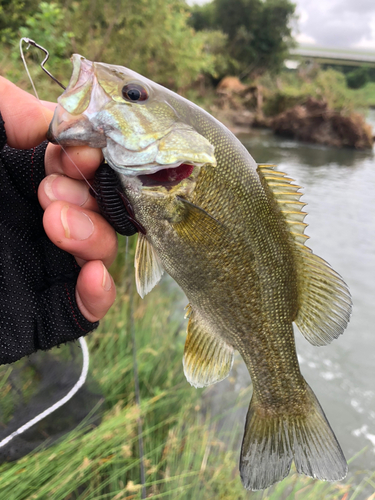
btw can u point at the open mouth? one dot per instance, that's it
(167, 177)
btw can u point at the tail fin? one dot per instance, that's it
(272, 442)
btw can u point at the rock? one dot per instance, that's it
(313, 121)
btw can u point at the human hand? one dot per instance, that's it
(71, 218)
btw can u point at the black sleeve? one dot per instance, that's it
(38, 309)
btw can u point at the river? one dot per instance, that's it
(339, 187)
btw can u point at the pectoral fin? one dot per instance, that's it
(207, 359)
(195, 225)
(148, 268)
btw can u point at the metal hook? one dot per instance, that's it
(31, 42)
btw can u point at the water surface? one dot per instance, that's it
(339, 187)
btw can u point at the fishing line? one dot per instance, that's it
(29, 42)
(78, 169)
(136, 390)
(62, 401)
(85, 351)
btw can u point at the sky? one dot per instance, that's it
(334, 23)
(337, 23)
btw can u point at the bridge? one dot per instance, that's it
(342, 57)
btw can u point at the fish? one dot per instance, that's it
(231, 233)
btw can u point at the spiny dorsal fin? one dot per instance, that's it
(287, 196)
(148, 268)
(207, 359)
(324, 299)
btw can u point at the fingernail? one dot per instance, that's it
(58, 187)
(107, 279)
(77, 225)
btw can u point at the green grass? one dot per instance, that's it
(291, 88)
(186, 457)
(368, 92)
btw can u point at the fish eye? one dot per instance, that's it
(134, 92)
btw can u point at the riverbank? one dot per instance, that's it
(303, 114)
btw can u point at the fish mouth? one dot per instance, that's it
(167, 177)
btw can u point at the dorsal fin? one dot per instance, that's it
(324, 299)
(326, 303)
(287, 196)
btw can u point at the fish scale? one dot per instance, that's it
(231, 234)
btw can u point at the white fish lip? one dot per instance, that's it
(143, 162)
(148, 168)
(70, 130)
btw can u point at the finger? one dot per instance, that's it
(26, 119)
(76, 162)
(49, 105)
(56, 187)
(95, 290)
(83, 233)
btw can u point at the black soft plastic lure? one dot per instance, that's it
(112, 202)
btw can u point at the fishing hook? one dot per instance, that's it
(29, 41)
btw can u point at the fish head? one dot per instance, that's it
(135, 122)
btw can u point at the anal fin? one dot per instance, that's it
(207, 359)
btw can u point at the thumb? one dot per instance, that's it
(26, 119)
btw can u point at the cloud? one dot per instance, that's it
(337, 23)
(368, 42)
(361, 6)
(303, 39)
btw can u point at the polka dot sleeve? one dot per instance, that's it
(37, 280)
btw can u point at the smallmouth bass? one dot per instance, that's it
(231, 234)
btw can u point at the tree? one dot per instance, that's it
(152, 37)
(259, 32)
(358, 77)
(13, 14)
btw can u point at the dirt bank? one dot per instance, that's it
(240, 107)
(313, 121)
